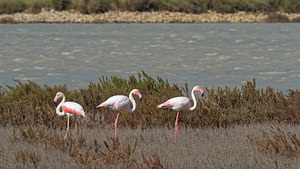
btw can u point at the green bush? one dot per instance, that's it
(12, 6)
(30, 104)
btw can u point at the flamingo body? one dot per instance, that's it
(118, 102)
(177, 104)
(71, 108)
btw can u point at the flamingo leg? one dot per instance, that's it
(176, 126)
(76, 132)
(116, 121)
(67, 127)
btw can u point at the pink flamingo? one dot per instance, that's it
(119, 103)
(181, 103)
(68, 108)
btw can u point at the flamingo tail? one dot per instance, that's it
(164, 105)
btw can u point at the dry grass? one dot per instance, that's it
(138, 148)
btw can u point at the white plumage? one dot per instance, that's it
(177, 103)
(118, 102)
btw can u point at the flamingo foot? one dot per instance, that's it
(66, 135)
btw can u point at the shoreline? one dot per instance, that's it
(72, 16)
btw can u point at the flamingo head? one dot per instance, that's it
(57, 96)
(137, 92)
(199, 89)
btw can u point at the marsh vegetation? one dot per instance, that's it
(232, 127)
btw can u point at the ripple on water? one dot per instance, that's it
(28, 78)
(222, 58)
(56, 74)
(20, 60)
(258, 57)
(66, 53)
(237, 68)
(272, 73)
(211, 54)
(40, 68)
(17, 69)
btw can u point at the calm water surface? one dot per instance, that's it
(204, 54)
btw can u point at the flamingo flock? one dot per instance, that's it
(122, 103)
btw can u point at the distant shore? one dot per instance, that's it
(71, 16)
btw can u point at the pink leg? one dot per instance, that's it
(76, 128)
(67, 127)
(116, 121)
(176, 126)
(76, 133)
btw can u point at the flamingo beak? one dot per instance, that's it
(55, 100)
(140, 96)
(202, 92)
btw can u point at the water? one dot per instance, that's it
(203, 54)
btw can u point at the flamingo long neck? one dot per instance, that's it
(132, 101)
(194, 99)
(60, 113)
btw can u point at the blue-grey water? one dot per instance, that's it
(203, 54)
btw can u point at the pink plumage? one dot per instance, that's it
(73, 108)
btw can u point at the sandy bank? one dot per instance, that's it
(138, 17)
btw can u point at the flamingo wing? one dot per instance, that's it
(73, 108)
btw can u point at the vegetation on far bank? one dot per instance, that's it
(189, 6)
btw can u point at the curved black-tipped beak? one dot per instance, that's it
(55, 103)
(203, 95)
(140, 99)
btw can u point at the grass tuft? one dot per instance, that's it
(277, 142)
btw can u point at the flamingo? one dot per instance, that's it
(181, 103)
(68, 108)
(119, 103)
